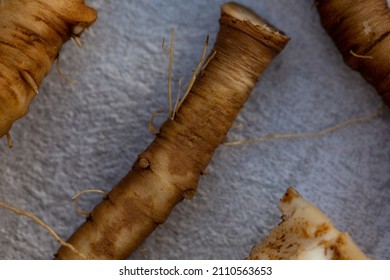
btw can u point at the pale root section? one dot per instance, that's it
(305, 233)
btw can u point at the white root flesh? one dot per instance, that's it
(305, 233)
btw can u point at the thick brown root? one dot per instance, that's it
(169, 169)
(360, 30)
(31, 36)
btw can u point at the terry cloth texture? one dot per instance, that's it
(86, 135)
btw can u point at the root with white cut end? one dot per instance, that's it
(305, 233)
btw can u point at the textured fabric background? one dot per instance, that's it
(87, 135)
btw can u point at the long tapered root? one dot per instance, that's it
(361, 32)
(169, 169)
(31, 36)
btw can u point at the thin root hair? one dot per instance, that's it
(76, 197)
(42, 224)
(320, 133)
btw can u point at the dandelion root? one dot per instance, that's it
(169, 169)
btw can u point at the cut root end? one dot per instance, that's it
(42, 224)
(9, 140)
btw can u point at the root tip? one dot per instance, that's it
(9, 140)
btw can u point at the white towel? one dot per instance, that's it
(86, 136)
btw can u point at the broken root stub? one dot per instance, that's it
(305, 233)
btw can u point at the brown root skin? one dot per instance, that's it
(360, 30)
(31, 36)
(169, 169)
